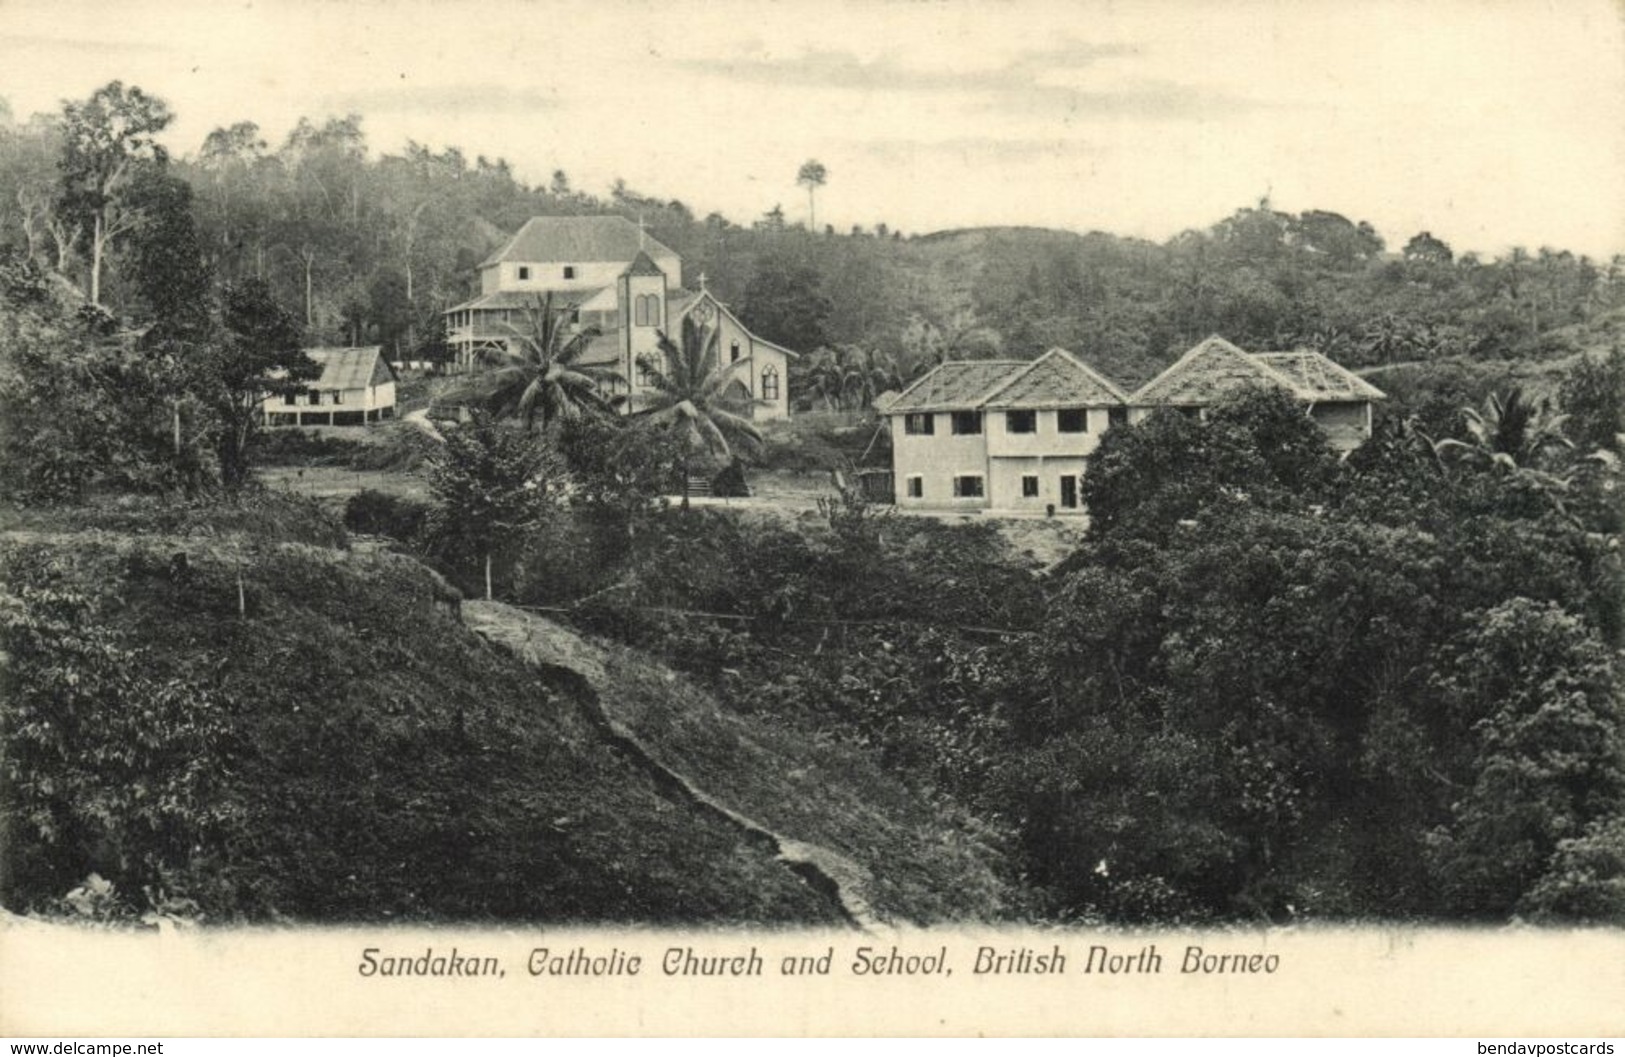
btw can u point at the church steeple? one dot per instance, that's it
(643, 264)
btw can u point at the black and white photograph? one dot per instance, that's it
(982, 499)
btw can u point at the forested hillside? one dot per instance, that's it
(1265, 681)
(368, 242)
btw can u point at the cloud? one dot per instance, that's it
(449, 99)
(1033, 82)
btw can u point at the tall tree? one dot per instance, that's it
(234, 196)
(785, 303)
(693, 398)
(491, 484)
(258, 355)
(31, 194)
(544, 376)
(104, 138)
(812, 176)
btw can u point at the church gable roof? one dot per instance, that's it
(643, 264)
(680, 303)
(1205, 373)
(568, 240)
(957, 385)
(1056, 379)
(1318, 378)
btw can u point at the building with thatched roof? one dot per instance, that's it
(1016, 435)
(611, 275)
(1336, 398)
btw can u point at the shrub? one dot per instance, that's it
(377, 513)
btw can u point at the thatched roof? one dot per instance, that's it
(1211, 369)
(1056, 379)
(1214, 368)
(1317, 378)
(958, 385)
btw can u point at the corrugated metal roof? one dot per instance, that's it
(591, 299)
(578, 240)
(1318, 378)
(956, 385)
(351, 368)
(601, 350)
(1056, 379)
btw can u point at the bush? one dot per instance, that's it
(1586, 879)
(375, 513)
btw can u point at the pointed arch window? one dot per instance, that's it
(770, 382)
(646, 310)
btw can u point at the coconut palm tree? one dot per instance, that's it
(1510, 432)
(540, 374)
(691, 397)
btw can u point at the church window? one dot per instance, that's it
(646, 310)
(1021, 422)
(770, 383)
(733, 352)
(921, 424)
(1072, 420)
(524, 272)
(967, 422)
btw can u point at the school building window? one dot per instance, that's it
(1072, 420)
(920, 424)
(569, 271)
(916, 487)
(1029, 486)
(524, 272)
(967, 422)
(1021, 422)
(968, 486)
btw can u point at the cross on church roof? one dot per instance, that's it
(702, 282)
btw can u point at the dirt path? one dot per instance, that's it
(546, 644)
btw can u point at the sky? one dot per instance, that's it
(1491, 123)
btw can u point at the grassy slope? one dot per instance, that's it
(384, 763)
(924, 863)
